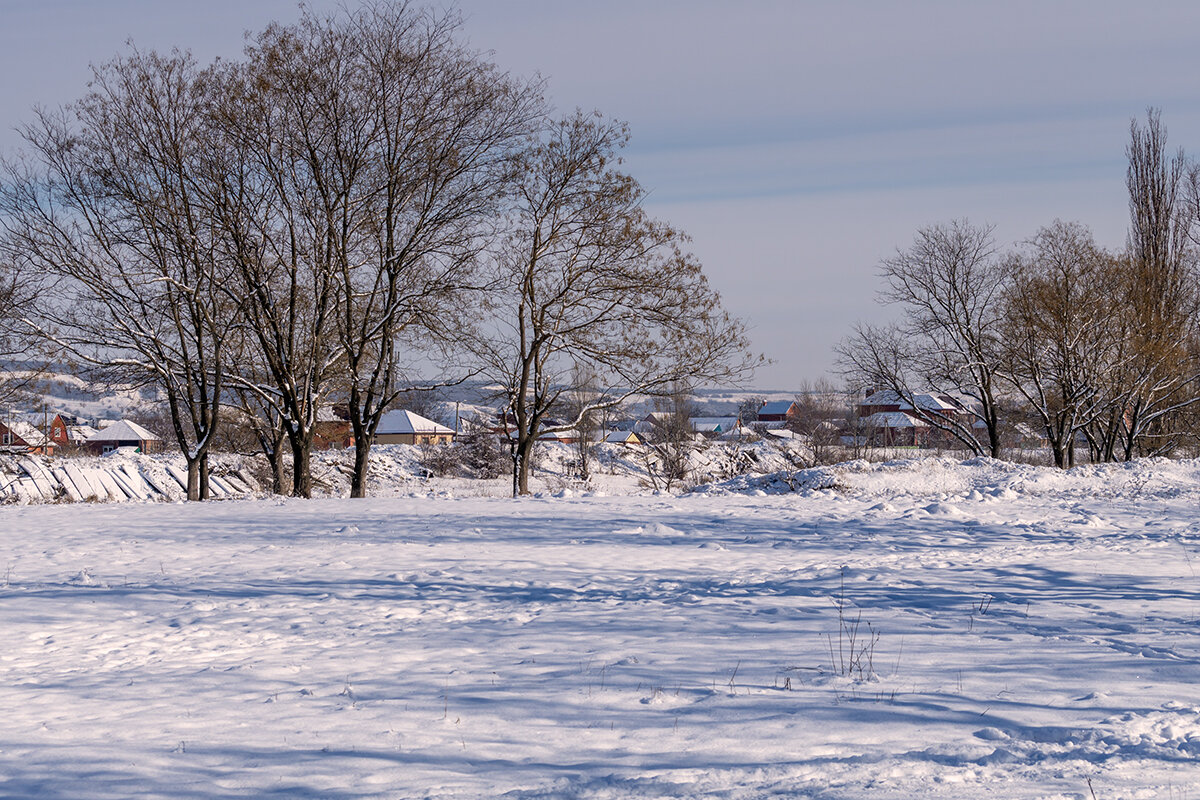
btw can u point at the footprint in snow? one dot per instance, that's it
(1091, 697)
(991, 734)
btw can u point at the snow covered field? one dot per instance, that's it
(1019, 632)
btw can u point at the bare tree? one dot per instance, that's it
(373, 153)
(269, 432)
(280, 213)
(949, 285)
(748, 409)
(819, 417)
(586, 277)
(577, 403)
(110, 202)
(670, 441)
(1063, 345)
(1161, 300)
(436, 125)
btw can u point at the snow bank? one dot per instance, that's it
(974, 478)
(116, 478)
(755, 468)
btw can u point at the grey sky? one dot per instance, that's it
(798, 142)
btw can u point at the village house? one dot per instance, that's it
(894, 429)
(712, 427)
(405, 427)
(561, 437)
(69, 432)
(778, 411)
(627, 438)
(19, 436)
(121, 434)
(505, 427)
(889, 420)
(657, 423)
(332, 430)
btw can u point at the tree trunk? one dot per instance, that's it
(205, 491)
(301, 466)
(521, 460)
(362, 455)
(585, 452)
(1134, 424)
(279, 482)
(193, 478)
(993, 430)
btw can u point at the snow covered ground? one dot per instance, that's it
(1018, 632)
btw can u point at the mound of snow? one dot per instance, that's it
(974, 480)
(781, 482)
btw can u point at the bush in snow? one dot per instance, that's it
(441, 460)
(483, 456)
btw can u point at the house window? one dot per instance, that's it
(7, 438)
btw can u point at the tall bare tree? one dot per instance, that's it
(282, 210)
(576, 403)
(109, 202)
(1061, 332)
(1160, 294)
(443, 124)
(375, 150)
(586, 278)
(949, 285)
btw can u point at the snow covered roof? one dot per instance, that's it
(776, 407)
(712, 424)
(894, 419)
(400, 422)
(328, 414)
(924, 400)
(123, 431)
(622, 437)
(28, 433)
(78, 434)
(931, 402)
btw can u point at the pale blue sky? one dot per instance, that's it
(798, 142)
